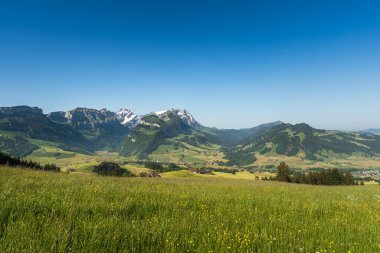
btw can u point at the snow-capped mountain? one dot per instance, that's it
(91, 117)
(184, 115)
(127, 117)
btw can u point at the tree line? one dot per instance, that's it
(322, 177)
(6, 159)
(159, 167)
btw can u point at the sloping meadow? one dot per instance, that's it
(49, 212)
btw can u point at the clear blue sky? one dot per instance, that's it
(232, 64)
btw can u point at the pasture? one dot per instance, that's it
(61, 212)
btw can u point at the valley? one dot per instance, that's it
(82, 138)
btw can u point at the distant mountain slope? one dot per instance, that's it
(16, 146)
(155, 129)
(233, 137)
(27, 122)
(183, 115)
(372, 131)
(101, 127)
(90, 129)
(290, 140)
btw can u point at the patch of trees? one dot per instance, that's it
(238, 158)
(159, 167)
(321, 177)
(154, 166)
(6, 159)
(111, 169)
(173, 167)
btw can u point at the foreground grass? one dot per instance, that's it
(48, 212)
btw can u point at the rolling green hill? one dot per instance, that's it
(290, 140)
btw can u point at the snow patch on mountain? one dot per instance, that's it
(143, 122)
(127, 117)
(161, 112)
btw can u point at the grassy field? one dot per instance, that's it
(243, 175)
(60, 212)
(188, 154)
(69, 159)
(332, 162)
(205, 156)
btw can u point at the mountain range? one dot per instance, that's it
(372, 131)
(171, 133)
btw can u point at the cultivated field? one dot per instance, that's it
(60, 212)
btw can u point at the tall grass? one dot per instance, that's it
(46, 212)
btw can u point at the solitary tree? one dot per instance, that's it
(283, 173)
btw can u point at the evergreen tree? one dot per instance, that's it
(322, 177)
(6, 159)
(283, 173)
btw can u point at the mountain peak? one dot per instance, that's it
(184, 115)
(84, 117)
(88, 115)
(127, 117)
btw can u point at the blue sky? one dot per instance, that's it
(232, 64)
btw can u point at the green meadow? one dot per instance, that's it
(61, 212)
